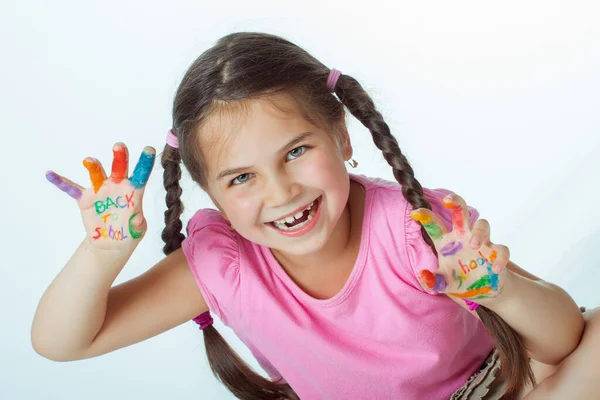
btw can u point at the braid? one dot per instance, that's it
(171, 234)
(363, 108)
(513, 354)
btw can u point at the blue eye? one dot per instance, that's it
(240, 180)
(297, 152)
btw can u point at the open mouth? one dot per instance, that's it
(298, 220)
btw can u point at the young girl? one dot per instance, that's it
(326, 276)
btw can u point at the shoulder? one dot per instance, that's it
(390, 203)
(212, 251)
(208, 233)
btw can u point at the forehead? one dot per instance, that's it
(240, 134)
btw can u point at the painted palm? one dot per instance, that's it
(462, 271)
(112, 207)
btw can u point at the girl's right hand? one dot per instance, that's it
(112, 208)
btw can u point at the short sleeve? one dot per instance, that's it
(419, 254)
(212, 251)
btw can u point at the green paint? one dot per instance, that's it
(134, 234)
(458, 278)
(110, 202)
(433, 230)
(484, 281)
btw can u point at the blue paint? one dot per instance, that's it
(494, 278)
(142, 170)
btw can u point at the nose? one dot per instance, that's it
(280, 190)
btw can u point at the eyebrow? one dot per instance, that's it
(239, 170)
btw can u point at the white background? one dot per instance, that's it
(498, 102)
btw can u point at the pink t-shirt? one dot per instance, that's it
(381, 337)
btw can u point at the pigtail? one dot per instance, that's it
(225, 363)
(513, 354)
(171, 234)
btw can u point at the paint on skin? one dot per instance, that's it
(66, 187)
(119, 165)
(110, 233)
(483, 285)
(472, 293)
(433, 281)
(458, 216)
(458, 278)
(134, 234)
(96, 175)
(102, 206)
(451, 248)
(142, 170)
(431, 227)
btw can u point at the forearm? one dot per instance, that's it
(72, 309)
(545, 316)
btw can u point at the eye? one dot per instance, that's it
(240, 179)
(297, 152)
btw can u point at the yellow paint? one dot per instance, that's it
(420, 216)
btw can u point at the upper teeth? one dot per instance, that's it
(298, 215)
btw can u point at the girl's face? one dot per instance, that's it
(265, 164)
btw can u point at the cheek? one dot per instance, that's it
(326, 170)
(242, 206)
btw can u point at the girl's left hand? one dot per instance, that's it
(470, 266)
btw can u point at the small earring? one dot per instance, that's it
(352, 162)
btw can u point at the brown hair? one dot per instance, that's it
(244, 66)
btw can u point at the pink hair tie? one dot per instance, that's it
(334, 75)
(203, 320)
(172, 139)
(472, 305)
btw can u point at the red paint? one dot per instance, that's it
(119, 166)
(428, 278)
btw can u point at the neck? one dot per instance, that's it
(341, 240)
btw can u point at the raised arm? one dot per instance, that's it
(81, 315)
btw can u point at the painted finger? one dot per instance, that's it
(67, 186)
(480, 233)
(433, 281)
(460, 214)
(500, 257)
(142, 170)
(120, 163)
(97, 174)
(137, 226)
(432, 223)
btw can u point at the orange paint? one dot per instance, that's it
(105, 217)
(473, 292)
(96, 175)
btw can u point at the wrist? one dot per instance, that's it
(508, 288)
(108, 254)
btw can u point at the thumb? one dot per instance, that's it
(137, 225)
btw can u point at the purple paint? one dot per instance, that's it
(66, 187)
(440, 283)
(451, 248)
